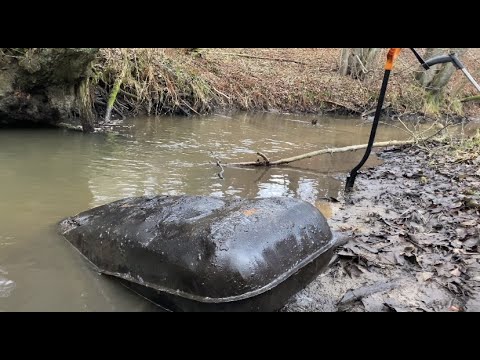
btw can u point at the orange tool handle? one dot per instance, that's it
(391, 57)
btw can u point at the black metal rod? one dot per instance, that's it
(353, 174)
(420, 59)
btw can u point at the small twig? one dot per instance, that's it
(410, 240)
(128, 94)
(407, 129)
(196, 112)
(364, 69)
(220, 174)
(221, 93)
(395, 126)
(438, 132)
(218, 163)
(365, 291)
(261, 57)
(114, 108)
(267, 161)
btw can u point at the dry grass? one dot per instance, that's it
(163, 81)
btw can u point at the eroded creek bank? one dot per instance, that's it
(413, 232)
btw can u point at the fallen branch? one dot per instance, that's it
(320, 152)
(267, 161)
(195, 111)
(261, 57)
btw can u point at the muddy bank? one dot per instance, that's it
(197, 81)
(46, 86)
(72, 87)
(413, 228)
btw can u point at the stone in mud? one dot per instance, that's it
(193, 253)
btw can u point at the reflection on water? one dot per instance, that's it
(46, 175)
(173, 156)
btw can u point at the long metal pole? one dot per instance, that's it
(472, 80)
(353, 174)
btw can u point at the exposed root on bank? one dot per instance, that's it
(262, 57)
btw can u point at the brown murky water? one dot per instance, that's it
(49, 174)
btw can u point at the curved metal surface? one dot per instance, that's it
(205, 249)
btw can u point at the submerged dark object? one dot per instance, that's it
(194, 253)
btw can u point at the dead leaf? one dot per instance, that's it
(386, 258)
(346, 253)
(472, 222)
(250, 212)
(455, 272)
(456, 244)
(395, 306)
(444, 269)
(452, 288)
(424, 276)
(454, 308)
(417, 227)
(393, 238)
(399, 259)
(437, 210)
(461, 233)
(353, 270)
(455, 205)
(473, 304)
(373, 303)
(368, 248)
(470, 243)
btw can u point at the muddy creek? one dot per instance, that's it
(49, 174)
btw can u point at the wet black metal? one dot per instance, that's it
(420, 59)
(441, 59)
(193, 253)
(353, 174)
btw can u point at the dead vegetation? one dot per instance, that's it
(413, 218)
(195, 81)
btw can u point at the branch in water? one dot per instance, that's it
(218, 163)
(320, 152)
(267, 161)
(220, 174)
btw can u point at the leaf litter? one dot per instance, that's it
(425, 234)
